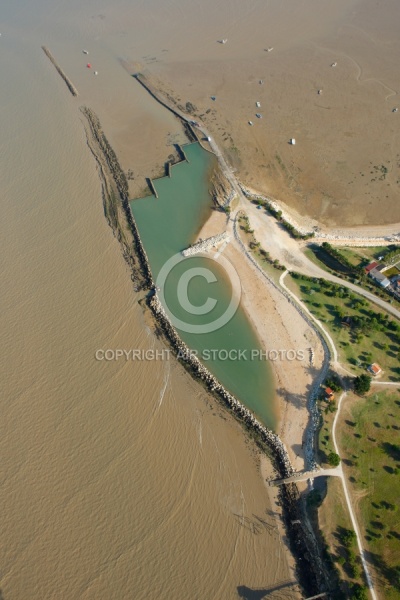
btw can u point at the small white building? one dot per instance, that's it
(293, 141)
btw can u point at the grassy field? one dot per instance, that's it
(362, 256)
(372, 336)
(357, 259)
(369, 439)
(333, 520)
(325, 443)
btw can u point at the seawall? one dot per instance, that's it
(185, 120)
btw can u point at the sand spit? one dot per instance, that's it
(68, 82)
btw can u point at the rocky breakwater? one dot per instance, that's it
(205, 245)
(121, 184)
(278, 450)
(310, 570)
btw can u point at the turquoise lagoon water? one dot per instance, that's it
(168, 225)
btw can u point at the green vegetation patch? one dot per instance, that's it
(362, 333)
(391, 272)
(271, 266)
(369, 439)
(350, 265)
(339, 541)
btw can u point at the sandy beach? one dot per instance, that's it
(279, 327)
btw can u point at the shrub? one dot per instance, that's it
(333, 459)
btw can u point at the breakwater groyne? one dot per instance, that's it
(152, 187)
(190, 132)
(59, 70)
(310, 571)
(311, 574)
(205, 245)
(271, 439)
(118, 176)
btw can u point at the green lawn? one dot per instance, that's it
(357, 258)
(369, 439)
(391, 272)
(325, 444)
(333, 520)
(373, 335)
(360, 256)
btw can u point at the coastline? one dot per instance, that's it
(311, 575)
(368, 235)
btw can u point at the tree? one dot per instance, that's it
(333, 459)
(333, 382)
(348, 537)
(358, 592)
(362, 384)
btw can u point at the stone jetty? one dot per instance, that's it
(205, 245)
(68, 82)
(183, 351)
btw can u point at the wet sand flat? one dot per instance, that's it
(345, 166)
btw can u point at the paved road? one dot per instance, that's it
(290, 253)
(350, 507)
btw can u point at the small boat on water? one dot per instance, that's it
(334, 64)
(250, 122)
(258, 104)
(85, 52)
(258, 116)
(222, 41)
